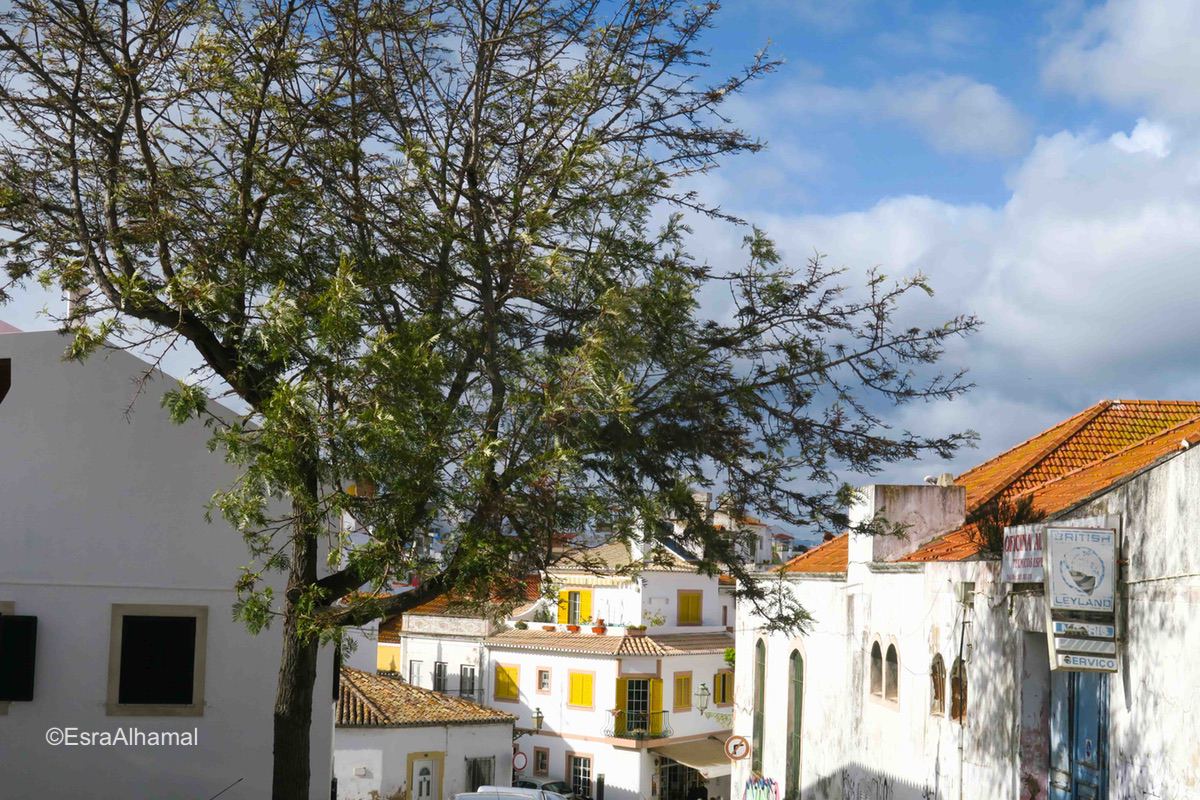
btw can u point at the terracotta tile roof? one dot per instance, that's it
(378, 701)
(662, 644)
(617, 557)
(1102, 442)
(1060, 467)
(830, 556)
(458, 605)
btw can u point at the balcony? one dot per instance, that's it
(638, 724)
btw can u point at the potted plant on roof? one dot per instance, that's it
(635, 630)
(573, 628)
(550, 628)
(599, 628)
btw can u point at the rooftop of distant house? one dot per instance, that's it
(1059, 468)
(366, 700)
(658, 644)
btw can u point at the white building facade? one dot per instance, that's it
(925, 675)
(399, 741)
(116, 598)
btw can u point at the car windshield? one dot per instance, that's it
(557, 786)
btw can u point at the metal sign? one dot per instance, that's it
(1080, 575)
(1082, 566)
(1021, 561)
(520, 761)
(737, 748)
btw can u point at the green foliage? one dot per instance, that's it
(991, 518)
(428, 262)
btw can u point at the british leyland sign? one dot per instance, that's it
(1082, 566)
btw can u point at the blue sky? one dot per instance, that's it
(1039, 161)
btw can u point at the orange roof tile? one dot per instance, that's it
(379, 701)
(1060, 467)
(1116, 440)
(830, 556)
(658, 644)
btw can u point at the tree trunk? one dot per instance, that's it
(297, 676)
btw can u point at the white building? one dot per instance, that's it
(394, 740)
(439, 644)
(610, 707)
(116, 597)
(926, 676)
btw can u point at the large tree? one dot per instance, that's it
(438, 248)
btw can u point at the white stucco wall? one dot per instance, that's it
(102, 510)
(381, 755)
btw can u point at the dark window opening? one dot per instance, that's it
(18, 657)
(958, 691)
(891, 676)
(876, 670)
(158, 660)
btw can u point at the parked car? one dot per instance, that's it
(493, 793)
(510, 793)
(561, 788)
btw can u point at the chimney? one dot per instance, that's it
(927, 510)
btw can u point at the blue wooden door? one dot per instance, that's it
(1078, 736)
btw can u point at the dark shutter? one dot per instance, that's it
(337, 673)
(158, 660)
(18, 654)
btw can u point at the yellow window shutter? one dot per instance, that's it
(589, 690)
(563, 605)
(585, 606)
(506, 683)
(656, 707)
(683, 691)
(622, 704)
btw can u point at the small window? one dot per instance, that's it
(156, 660)
(937, 686)
(574, 607)
(480, 772)
(876, 670)
(414, 672)
(439, 676)
(466, 680)
(891, 674)
(18, 656)
(541, 761)
(507, 681)
(543, 681)
(683, 692)
(690, 607)
(581, 693)
(958, 691)
(723, 687)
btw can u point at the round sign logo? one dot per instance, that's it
(1082, 569)
(520, 760)
(737, 748)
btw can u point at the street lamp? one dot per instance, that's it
(538, 719)
(702, 696)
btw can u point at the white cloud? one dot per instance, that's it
(954, 113)
(1139, 54)
(1087, 278)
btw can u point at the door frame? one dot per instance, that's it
(439, 758)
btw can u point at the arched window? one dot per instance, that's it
(958, 691)
(795, 715)
(891, 674)
(760, 680)
(876, 670)
(937, 686)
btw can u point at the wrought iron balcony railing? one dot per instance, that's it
(638, 724)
